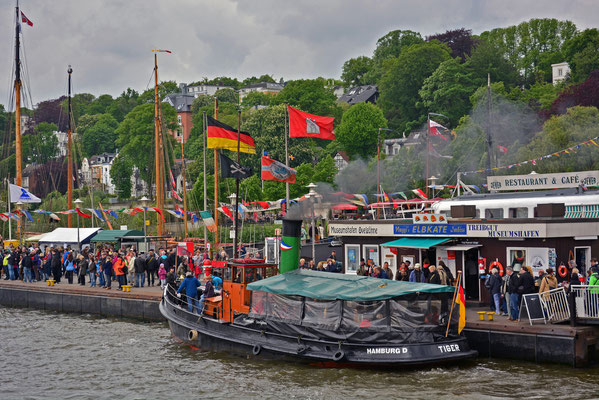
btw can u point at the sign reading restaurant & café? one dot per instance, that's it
(543, 181)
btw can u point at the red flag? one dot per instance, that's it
(461, 300)
(25, 19)
(173, 183)
(273, 170)
(420, 194)
(434, 127)
(502, 149)
(81, 213)
(262, 204)
(302, 124)
(225, 210)
(159, 211)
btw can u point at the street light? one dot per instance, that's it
(233, 200)
(144, 202)
(77, 202)
(312, 198)
(431, 181)
(19, 206)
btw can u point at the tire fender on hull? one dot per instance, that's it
(192, 334)
(339, 355)
(256, 349)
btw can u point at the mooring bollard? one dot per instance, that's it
(490, 315)
(481, 315)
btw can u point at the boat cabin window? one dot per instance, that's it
(259, 304)
(518, 212)
(417, 310)
(325, 314)
(370, 315)
(494, 213)
(237, 275)
(285, 308)
(226, 274)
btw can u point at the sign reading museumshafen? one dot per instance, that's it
(543, 181)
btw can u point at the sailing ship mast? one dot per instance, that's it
(69, 154)
(19, 171)
(184, 187)
(158, 147)
(216, 184)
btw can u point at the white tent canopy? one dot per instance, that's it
(62, 236)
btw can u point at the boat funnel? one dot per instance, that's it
(290, 244)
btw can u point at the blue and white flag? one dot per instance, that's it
(17, 193)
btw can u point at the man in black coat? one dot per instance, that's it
(151, 267)
(513, 282)
(527, 282)
(140, 270)
(56, 265)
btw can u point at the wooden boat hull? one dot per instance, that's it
(210, 334)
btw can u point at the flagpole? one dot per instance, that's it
(9, 218)
(205, 189)
(378, 173)
(216, 238)
(489, 138)
(286, 156)
(455, 292)
(236, 224)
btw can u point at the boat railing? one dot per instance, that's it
(182, 301)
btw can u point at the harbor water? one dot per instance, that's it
(51, 355)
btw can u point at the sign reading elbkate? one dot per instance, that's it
(543, 181)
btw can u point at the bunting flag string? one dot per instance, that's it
(569, 150)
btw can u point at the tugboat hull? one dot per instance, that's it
(213, 335)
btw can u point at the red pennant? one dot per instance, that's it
(81, 213)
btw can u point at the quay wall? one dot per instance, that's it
(144, 309)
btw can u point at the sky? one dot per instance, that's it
(109, 42)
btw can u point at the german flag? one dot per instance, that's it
(221, 136)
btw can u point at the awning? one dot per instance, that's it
(463, 247)
(416, 243)
(69, 235)
(108, 236)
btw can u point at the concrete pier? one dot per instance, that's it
(140, 303)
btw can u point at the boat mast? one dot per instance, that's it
(69, 153)
(236, 222)
(184, 187)
(216, 185)
(19, 173)
(157, 152)
(205, 189)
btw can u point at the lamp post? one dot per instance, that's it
(232, 198)
(19, 206)
(77, 202)
(312, 196)
(144, 202)
(431, 181)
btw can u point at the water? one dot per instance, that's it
(52, 355)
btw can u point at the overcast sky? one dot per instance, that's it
(109, 42)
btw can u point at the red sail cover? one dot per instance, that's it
(273, 170)
(302, 124)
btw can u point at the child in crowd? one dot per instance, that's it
(162, 276)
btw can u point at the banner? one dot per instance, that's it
(17, 193)
(543, 181)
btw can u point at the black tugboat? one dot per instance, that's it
(321, 317)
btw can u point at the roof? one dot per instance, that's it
(415, 243)
(343, 155)
(69, 235)
(556, 193)
(265, 85)
(330, 286)
(115, 235)
(361, 94)
(181, 102)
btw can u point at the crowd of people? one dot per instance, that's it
(99, 268)
(507, 291)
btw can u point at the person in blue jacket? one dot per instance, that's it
(190, 284)
(417, 275)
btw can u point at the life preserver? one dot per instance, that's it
(498, 265)
(562, 271)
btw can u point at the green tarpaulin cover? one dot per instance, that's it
(113, 236)
(332, 286)
(415, 243)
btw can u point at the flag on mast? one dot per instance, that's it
(434, 129)
(17, 193)
(302, 124)
(273, 170)
(25, 19)
(460, 299)
(222, 136)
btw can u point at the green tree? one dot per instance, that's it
(582, 55)
(42, 145)
(120, 173)
(358, 130)
(400, 84)
(99, 105)
(136, 136)
(101, 136)
(487, 60)
(325, 170)
(355, 72)
(310, 95)
(254, 99)
(253, 80)
(389, 47)
(227, 95)
(448, 89)
(123, 104)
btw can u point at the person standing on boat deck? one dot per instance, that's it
(362, 269)
(387, 270)
(172, 258)
(302, 264)
(190, 284)
(433, 275)
(208, 292)
(183, 268)
(417, 275)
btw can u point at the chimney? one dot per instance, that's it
(290, 244)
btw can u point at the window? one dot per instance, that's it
(352, 258)
(179, 119)
(518, 212)
(494, 213)
(372, 253)
(325, 314)
(371, 315)
(560, 72)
